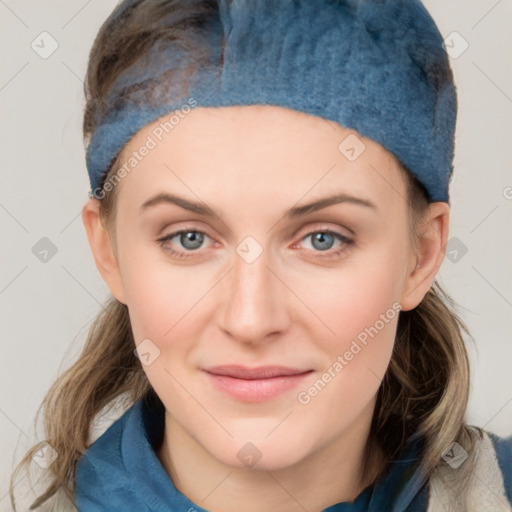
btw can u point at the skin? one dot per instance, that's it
(292, 306)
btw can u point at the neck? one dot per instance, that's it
(330, 475)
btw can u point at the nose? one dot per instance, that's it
(254, 308)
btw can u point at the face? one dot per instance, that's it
(263, 318)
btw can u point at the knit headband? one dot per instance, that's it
(374, 66)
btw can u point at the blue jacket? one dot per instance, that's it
(121, 472)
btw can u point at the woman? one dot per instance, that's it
(269, 209)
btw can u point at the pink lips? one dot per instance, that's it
(255, 384)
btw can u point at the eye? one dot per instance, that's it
(322, 241)
(189, 239)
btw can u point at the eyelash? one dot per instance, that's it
(332, 253)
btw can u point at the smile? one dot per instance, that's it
(255, 384)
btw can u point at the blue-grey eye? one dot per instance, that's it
(322, 241)
(191, 239)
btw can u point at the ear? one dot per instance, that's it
(103, 249)
(429, 255)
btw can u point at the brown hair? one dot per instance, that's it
(424, 391)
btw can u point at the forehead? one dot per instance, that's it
(254, 152)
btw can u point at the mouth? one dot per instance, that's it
(255, 384)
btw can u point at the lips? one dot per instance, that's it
(261, 372)
(255, 384)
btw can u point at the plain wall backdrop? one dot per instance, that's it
(48, 304)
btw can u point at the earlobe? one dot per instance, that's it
(432, 240)
(102, 249)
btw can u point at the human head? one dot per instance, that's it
(412, 192)
(249, 166)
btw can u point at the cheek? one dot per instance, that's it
(165, 308)
(347, 300)
(358, 306)
(160, 295)
(357, 354)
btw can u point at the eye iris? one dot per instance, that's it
(195, 238)
(321, 238)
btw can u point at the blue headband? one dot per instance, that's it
(375, 66)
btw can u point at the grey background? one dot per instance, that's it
(47, 307)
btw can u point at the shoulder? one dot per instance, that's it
(101, 467)
(503, 452)
(484, 485)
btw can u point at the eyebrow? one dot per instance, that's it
(201, 209)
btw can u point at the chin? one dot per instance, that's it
(267, 458)
(263, 452)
